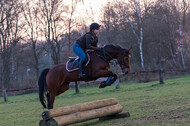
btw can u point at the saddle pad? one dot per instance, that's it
(74, 65)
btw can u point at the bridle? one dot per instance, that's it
(107, 57)
(123, 62)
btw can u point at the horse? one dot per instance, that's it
(54, 81)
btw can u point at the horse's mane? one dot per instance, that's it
(108, 46)
(113, 46)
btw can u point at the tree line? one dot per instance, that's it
(40, 34)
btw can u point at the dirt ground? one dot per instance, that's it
(171, 118)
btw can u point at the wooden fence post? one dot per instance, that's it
(161, 77)
(4, 95)
(76, 87)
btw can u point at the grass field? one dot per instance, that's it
(148, 103)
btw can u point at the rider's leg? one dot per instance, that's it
(82, 70)
(79, 52)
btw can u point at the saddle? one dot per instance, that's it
(73, 63)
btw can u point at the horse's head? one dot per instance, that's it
(123, 59)
(122, 55)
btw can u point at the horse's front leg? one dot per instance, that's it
(111, 78)
(109, 81)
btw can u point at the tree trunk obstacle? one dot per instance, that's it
(102, 109)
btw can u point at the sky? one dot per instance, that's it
(92, 8)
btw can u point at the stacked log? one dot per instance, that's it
(81, 112)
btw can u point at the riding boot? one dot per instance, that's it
(82, 70)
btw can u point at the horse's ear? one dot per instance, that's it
(128, 50)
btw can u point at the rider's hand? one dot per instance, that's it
(99, 49)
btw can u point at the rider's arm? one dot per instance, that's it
(89, 45)
(92, 47)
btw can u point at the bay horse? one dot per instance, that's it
(55, 80)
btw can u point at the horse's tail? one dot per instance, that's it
(42, 86)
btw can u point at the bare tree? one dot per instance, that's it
(180, 35)
(169, 32)
(90, 14)
(140, 35)
(115, 27)
(32, 30)
(52, 18)
(71, 22)
(107, 21)
(138, 10)
(9, 17)
(185, 7)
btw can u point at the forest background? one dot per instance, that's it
(39, 34)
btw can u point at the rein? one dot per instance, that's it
(107, 57)
(101, 57)
(104, 57)
(105, 53)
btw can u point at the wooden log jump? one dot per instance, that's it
(81, 112)
(78, 108)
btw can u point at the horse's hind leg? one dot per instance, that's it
(51, 95)
(64, 87)
(51, 99)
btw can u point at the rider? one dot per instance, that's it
(88, 41)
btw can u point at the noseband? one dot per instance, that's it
(123, 62)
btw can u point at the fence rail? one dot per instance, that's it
(11, 92)
(141, 76)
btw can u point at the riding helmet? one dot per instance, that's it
(94, 26)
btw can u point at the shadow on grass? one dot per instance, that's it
(157, 85)
(88, 123)
(94, 122)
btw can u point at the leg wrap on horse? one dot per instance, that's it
(114, 78)
(109, 81)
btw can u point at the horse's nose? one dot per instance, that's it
(126, 71)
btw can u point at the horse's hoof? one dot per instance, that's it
(102, 86)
